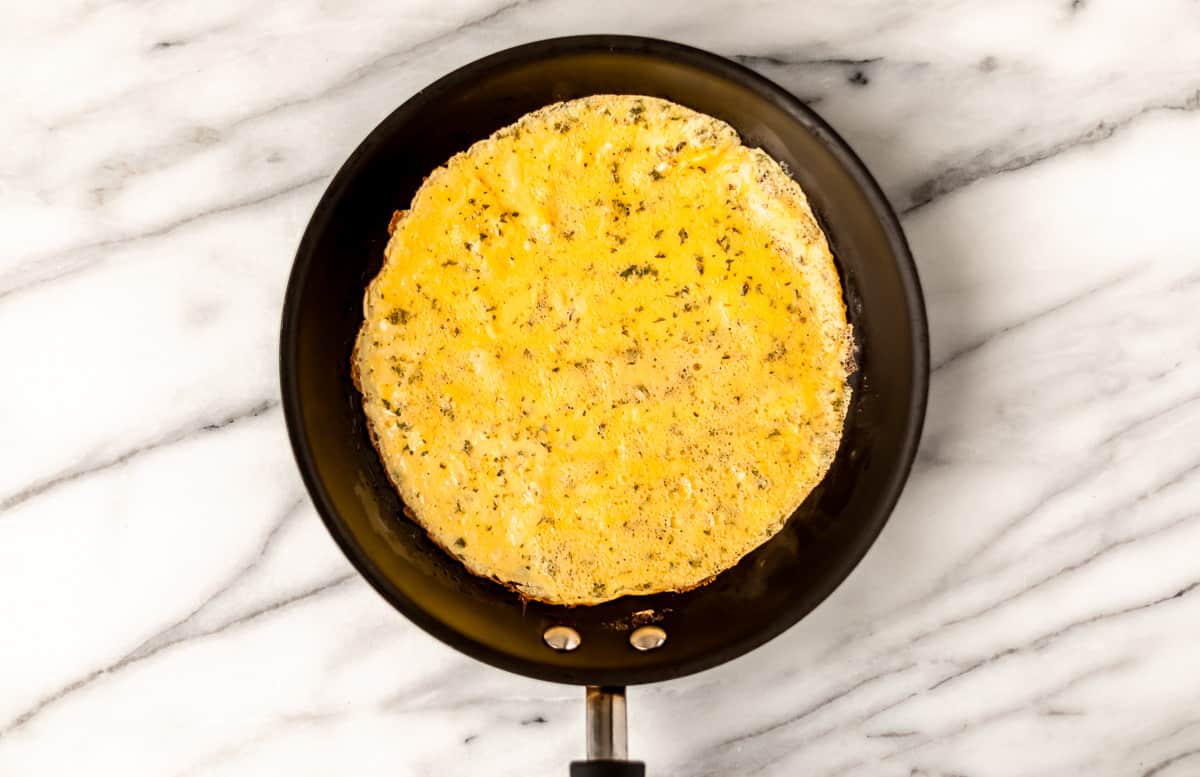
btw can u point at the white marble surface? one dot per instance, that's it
(170, 604)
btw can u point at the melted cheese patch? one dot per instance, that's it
(607, 352)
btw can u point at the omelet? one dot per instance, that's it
(607, 352)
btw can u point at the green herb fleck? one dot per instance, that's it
(639, 270)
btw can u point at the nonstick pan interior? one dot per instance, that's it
(771, 588)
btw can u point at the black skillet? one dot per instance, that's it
(771, 588)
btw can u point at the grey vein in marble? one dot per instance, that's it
(171, 636)
(955, 178)
(173, 437)
(89, 255)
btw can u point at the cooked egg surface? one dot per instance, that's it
(607, 351)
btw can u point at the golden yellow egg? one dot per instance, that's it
(607, 351)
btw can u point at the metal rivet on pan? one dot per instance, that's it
(648, 638)
(562, 638)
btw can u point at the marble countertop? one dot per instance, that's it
(172, 606)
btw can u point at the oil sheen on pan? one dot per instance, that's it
(607, 351)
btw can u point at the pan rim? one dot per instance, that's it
(675, 53)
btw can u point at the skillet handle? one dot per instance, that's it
(606, 736)
(608, 769)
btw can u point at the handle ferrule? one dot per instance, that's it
(607, 742)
